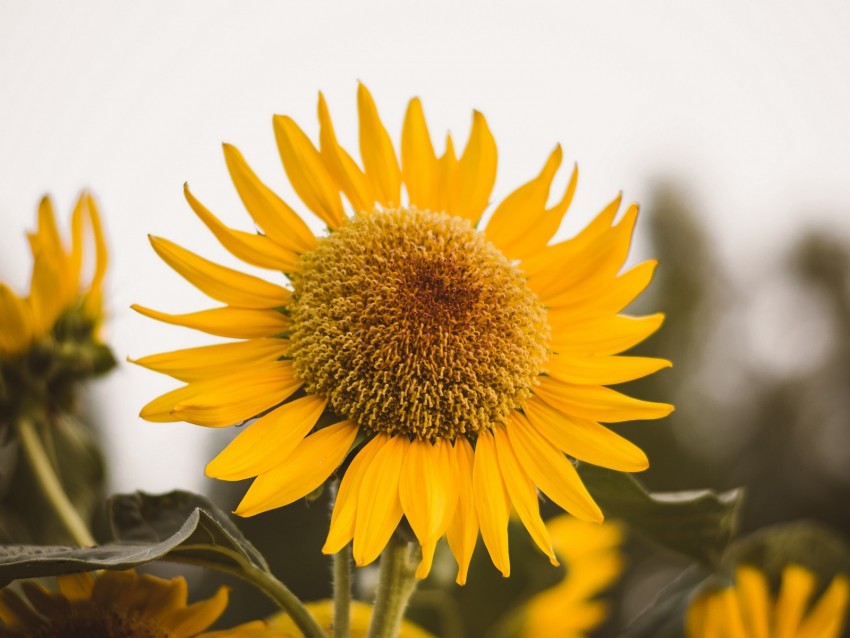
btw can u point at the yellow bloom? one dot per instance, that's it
(117, 605)
(56, 286)
(593, 562)
(747, 610)
(361, 616)
(461, 365)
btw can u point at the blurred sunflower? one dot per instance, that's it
(49, 340)
(361, 616)
(117, 605)
(462, 364)
(591, 555)
(747, 610)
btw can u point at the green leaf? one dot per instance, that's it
(178, 527)
(665, 617)
(696, 524)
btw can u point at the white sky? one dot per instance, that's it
(747, 104)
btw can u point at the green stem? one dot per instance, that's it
(287, 601)
(342, 592)
(49, 483)
(396, 584)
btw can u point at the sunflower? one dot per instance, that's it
(747, 611)
(49, 340)
(593, 562)
(117, 604)
(361, 616)
(458, 366)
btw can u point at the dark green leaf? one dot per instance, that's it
(697, 524)
(177, 527)
(665, 617)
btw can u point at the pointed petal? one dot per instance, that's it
(376, 149)
(75, 258)
(76, 586)
(224, 284)
(550, 470)
(237, 323)
(601, 370)
(309, 465)
(45, 303)
(101, 255)
(827, 618)
(613, 298)
(250, 248)
(462, 532)
(345, 507)
(797, 587)
(447, 169)
(583, 439)
(491, 501)
(16, 323)
(605, 336)
(307, 173)
(419, 165)
(204, 362)
(194, 618)
(754, 596)
(282, 224)
(475, 173)
(523, 493)
(378, 505)
(267, 442)
(598, 403)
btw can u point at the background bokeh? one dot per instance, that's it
(728, 122)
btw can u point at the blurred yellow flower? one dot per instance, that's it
(361, 615)
(461, 364)
(117, 604)
(56, 288)
(591, 555)
(748, 611)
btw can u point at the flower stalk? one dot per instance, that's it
(342, 592)
(395, 586)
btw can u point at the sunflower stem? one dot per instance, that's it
(342, 592)
(45, 475)
(284, 597)
(395, 586)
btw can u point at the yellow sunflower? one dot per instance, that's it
(591, 555)
(56, 287)
(747, 610)
(117, 605)
(459, 366)
(361, 616)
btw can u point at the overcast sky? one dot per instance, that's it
(745, 104)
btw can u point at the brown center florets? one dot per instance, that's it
(412, 322)
(92, 621)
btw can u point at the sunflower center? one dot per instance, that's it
(92, 621)
(412, 322)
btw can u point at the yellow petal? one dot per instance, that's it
(474, 174)
(194, 618)
(447, 169)
(250, 248)
(378, 505)
(797, 587)
(204, 362)
(462, 532)
(309, 465)
(267, 442)
(605, 336)
(419, 165)
(226, 400)
(345, 507)
(75, 258)
(101, 254)
(307, 173)
(237, 323)
(491, 502)
(45, 303)
(598, 403)
(76, 586)
(428, 492)
(754, 599)
(219, 282)
(377, 152)
(522, 225)
(523, 493)
(16, 323)
(550, 470)
(611, 299)
(584, 439)
(282, 224)
(341, 166)
(829, 615)
(602, 370)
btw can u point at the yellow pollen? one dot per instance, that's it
(411, 322)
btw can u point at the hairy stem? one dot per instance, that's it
(396, 584)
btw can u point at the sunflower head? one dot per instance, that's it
(461, 367)
(49, 339)
(116, 605)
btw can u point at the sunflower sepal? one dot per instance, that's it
(696, 524)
